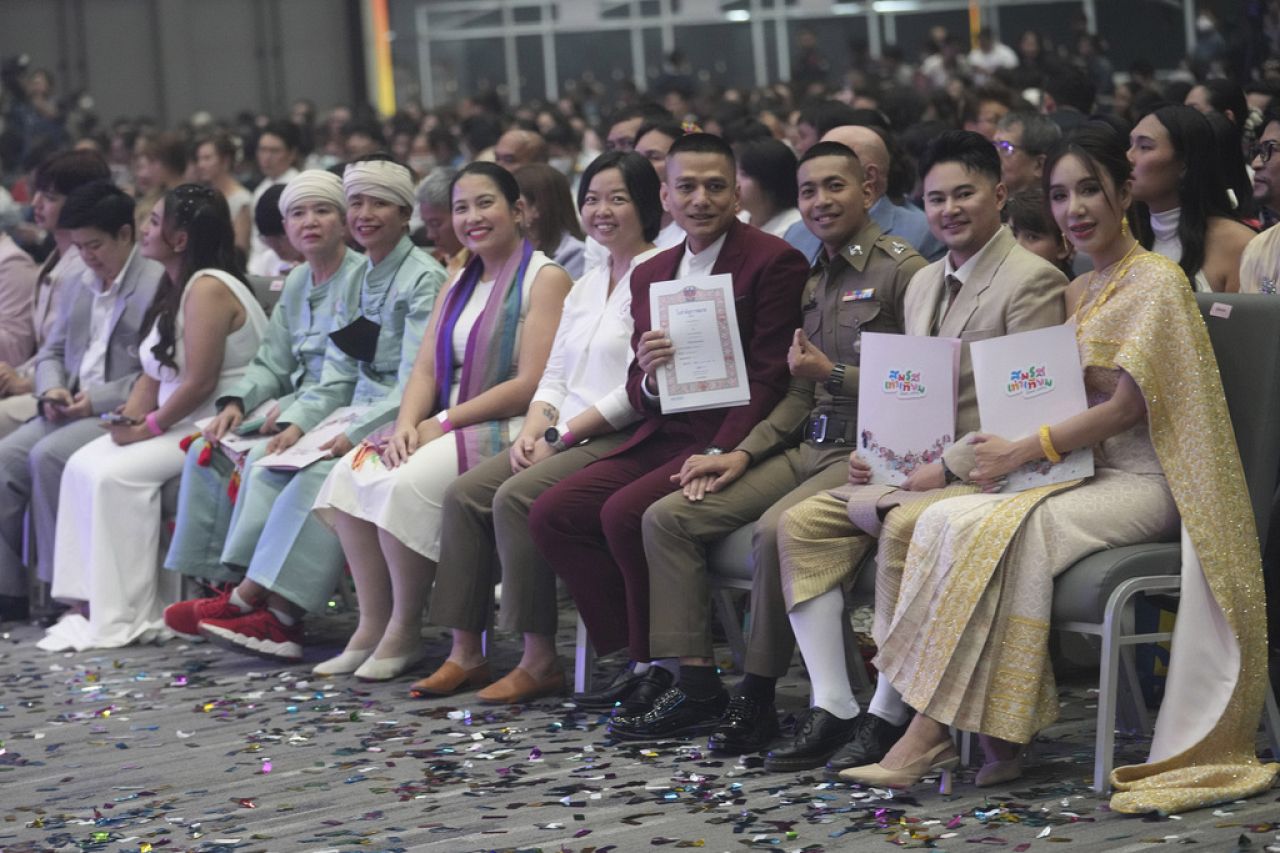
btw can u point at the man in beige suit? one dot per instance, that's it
(985, 286)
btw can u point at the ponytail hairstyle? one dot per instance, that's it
(202, 214)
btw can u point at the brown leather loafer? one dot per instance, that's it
(518, 686)
(450, 679)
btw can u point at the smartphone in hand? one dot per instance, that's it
(110, 419)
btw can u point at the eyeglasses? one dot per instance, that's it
(1263, 150)
(1006, 148)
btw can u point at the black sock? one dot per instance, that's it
(700, 682)
(758, 687)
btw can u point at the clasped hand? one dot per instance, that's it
(994, 459)
(60, 406)
(701, 474)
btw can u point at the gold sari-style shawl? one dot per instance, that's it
(1203, 749)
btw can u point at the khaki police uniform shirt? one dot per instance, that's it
(860, 290)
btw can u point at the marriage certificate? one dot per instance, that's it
(707, 369)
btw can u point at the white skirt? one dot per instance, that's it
(406, 501)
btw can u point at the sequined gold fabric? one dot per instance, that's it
(1152, 329)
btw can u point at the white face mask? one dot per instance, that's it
(563, 165)
(1204, 23)
(422, 164)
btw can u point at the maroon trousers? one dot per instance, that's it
(587, 527)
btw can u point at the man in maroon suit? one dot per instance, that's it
(588, 525)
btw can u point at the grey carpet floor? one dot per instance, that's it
(184, 747)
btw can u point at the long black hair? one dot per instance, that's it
(202, 214)
(1101, 150)
(1202, 192)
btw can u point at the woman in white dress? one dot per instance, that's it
(476, 371)
(204, 330)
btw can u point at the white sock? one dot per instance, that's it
(816, 624)
(285, 618)
(887, 704)
(237, 601)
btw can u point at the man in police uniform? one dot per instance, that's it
(857, 284)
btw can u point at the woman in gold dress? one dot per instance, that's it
(967, 642)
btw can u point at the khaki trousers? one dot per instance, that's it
(678, 532)
(486, 523)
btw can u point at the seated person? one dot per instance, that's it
(54, 179)
(204, 328)
(857, 285)
(573, 420)
(18, 274)
(476, 371)
(1036, 231)
(288, 365)
(289, 561)
(986, 285)
(965, 638)
(85, 368)
(549, 218)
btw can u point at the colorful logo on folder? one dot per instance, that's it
(1029, 382)
(904, 384)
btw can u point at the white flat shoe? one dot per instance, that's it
(385, 669)
(344, 664)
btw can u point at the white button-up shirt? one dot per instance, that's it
(93, 367)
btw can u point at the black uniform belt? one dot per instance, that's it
(830, 429)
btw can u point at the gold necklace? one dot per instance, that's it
(1118, 272)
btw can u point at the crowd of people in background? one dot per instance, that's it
(464, 290)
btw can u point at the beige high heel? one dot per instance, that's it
(942, 758)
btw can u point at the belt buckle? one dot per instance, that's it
(818, 429)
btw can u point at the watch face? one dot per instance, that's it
(552, 435)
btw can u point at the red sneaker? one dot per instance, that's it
(257, 632)
(184, 617)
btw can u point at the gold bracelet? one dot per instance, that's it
(1046, 444)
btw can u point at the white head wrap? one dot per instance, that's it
(380, 179)
(313, 184)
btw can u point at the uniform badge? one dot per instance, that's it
(859, 295)
(856, 250)
(898, 247)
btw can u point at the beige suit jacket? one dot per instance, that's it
(1010, 290)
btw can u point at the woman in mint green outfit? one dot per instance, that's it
(293, 561)
(287, 366)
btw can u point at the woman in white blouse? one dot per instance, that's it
(767, 185)
(574, 419)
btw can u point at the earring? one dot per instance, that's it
(1124, 226)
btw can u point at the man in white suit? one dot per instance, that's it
(85, 368)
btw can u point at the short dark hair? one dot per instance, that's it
(1228, 95)
(669, 128)
(1071, 87)
(703, 143)
(66, 170)
(971, 150)
(772, 165)
(825, 115)
(267, 215)
(287, 131)
(98, 204)
(1026, 211)
(832, 149)
(642, 185)
(222, 143)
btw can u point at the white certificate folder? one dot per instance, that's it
(906, 402)
(1024, 381)
(707, 370)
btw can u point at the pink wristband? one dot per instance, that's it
(153, 425)
(443, 418)
(567, 439)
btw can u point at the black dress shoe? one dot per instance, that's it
(868, 744)
(674, 714)
(13, 608)
(645, 692)
(618, 689)
(819, 733)
(747, 725)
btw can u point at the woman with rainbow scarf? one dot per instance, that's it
(475, 374)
